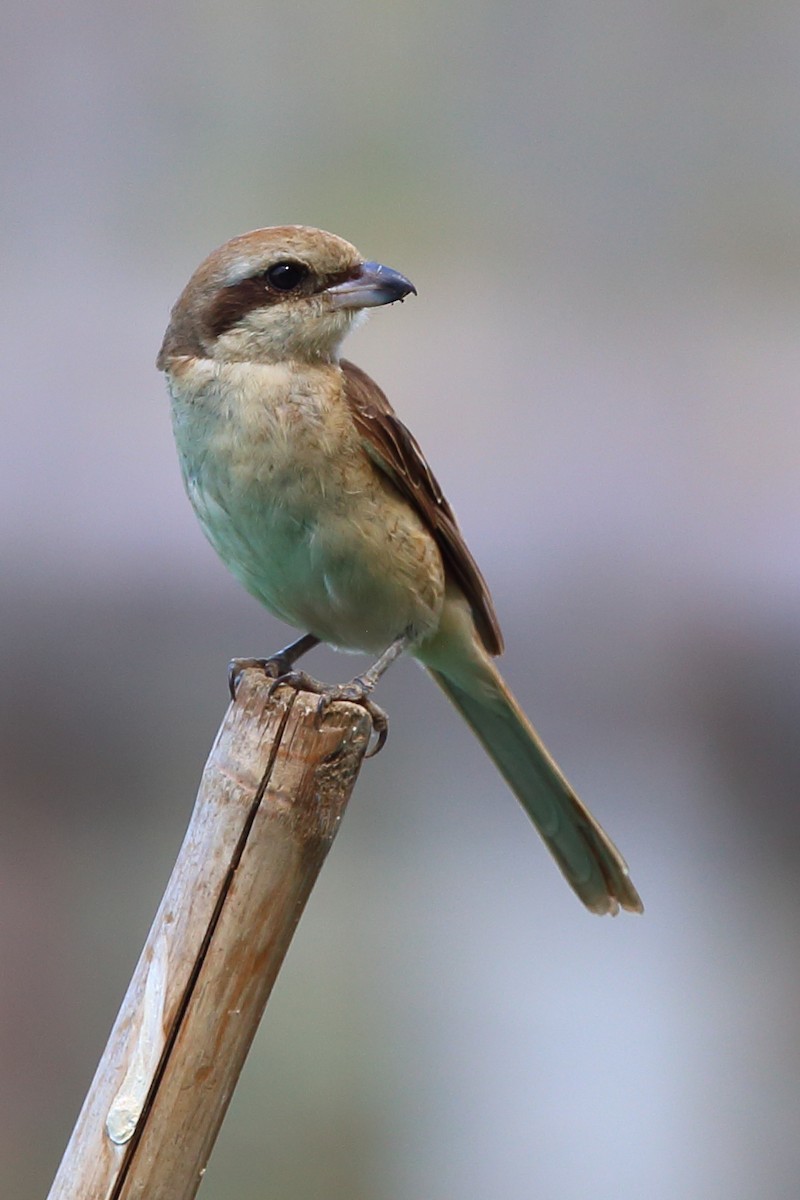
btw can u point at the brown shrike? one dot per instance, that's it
(321, 503)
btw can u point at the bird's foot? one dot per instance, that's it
(274, 668)
(357, 691)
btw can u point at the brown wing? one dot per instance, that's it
(393, 449)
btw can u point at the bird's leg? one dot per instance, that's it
(357, 690)
(275, 667)
(366, 682)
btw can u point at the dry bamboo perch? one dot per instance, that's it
(272, 795)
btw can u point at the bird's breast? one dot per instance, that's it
(263, 434)
(275, 470)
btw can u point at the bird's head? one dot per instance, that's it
(285, 293)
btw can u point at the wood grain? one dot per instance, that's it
(270, 802)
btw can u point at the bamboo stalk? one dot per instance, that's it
(271, 798)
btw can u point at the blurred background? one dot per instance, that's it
(599, 207)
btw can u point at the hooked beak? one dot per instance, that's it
(373, 285)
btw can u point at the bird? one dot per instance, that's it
(320, 501)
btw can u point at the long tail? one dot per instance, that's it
(588, 858)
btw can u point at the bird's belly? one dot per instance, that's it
(357, 572)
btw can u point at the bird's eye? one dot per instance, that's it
(286, 276)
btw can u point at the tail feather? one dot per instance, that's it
(586, 855)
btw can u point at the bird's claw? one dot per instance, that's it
(293, 679)
(356, 692)
(380, 727)
(276, 668)
(279, 670)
